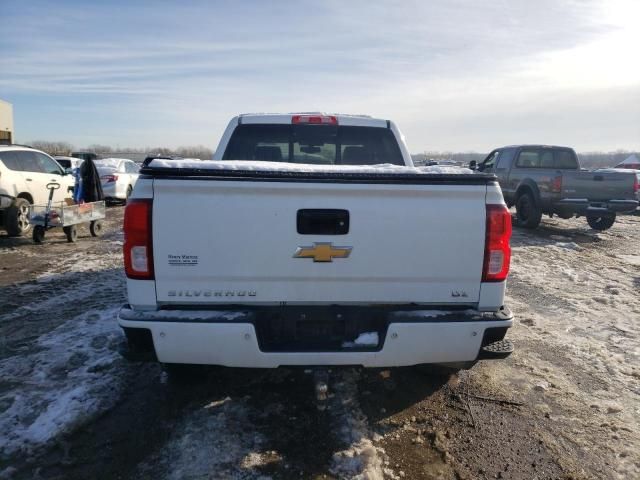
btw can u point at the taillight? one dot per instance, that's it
(314, 119)
(109, 178)
(138, 253)
(636, 186)
(556, 184)
(497, 251)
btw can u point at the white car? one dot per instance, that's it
(70, 164)
(118, 177)
(24, 176)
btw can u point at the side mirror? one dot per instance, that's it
(473, 165)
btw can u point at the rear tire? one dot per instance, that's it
(17, 218)
(71, 232)
(528, 213)
(601, 223)
(128, 194)
(96, 228)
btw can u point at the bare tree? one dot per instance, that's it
(200, 151)
(99, 149)
(603, 159)
(53, 148)
(160, 151)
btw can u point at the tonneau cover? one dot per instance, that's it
(384, 173)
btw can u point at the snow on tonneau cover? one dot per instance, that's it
(241, 232)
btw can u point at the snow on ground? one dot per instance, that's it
(59, 360)
(578, 339)
(360, 459)
(70, 376)
(216, 439)
(576, 365)
(65, 289)
(68, 265)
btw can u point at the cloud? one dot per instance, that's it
(167, 73)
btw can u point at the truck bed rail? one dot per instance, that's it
(316, 176)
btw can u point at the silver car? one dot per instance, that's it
(118, 177)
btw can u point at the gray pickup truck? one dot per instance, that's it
(545, 179)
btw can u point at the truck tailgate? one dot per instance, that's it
(222, 241)
(598, 186)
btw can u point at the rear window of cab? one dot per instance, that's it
(547, 158)
(314, 144)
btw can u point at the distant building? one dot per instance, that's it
(6, 123)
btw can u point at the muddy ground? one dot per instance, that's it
(566, 404)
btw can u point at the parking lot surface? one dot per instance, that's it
(564, 405)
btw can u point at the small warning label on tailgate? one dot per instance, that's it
(183, 260)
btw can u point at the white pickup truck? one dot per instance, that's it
(312, 239)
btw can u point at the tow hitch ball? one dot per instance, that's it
(321, 381)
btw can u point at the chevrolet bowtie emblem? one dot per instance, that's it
(322, 252)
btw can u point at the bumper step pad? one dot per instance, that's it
(496, 350)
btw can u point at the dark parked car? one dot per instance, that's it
(541, 179)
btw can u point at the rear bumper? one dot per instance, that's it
(230, 338)
(586, 207)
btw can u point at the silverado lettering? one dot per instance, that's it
(209, 293)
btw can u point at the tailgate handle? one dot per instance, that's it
(598, 178)
(322, 221)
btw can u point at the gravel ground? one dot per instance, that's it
(564, 405)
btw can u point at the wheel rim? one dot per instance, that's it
(23, 218)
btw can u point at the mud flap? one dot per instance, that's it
(139, 345)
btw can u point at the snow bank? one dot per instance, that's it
(257, 166)
(71, 376)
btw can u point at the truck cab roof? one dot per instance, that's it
(534, 145)
(320, 117)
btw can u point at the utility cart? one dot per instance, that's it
(59, 214)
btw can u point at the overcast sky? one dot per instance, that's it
(457, 75)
